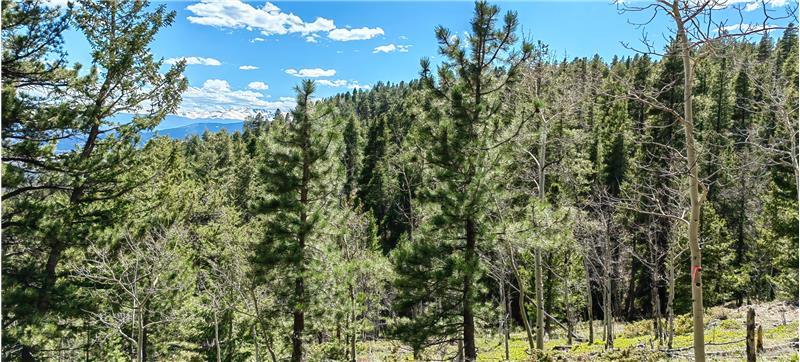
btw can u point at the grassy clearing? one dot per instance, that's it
(725, 333)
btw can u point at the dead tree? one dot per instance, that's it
(594, 231)
(783, 105)
(143, 273)
(697, 23)
(545, 101)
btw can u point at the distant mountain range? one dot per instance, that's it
(194, 129)
(176, 127)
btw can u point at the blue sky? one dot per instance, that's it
(249, 55)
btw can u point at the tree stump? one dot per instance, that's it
(751, 335)
(760, 340)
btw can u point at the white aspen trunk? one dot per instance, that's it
(694, 188)
(140, 336)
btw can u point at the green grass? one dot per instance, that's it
(787, 331)
(632, 343)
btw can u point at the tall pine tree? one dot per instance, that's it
(295, 193)
(461, 136)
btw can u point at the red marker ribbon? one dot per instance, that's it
(695, 269)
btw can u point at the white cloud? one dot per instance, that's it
(388, 48)
(402, 37)
(269, 20)
(338, 83)
(248, 67)
(744, 28)
(216, 99)
(311, 39)
(751, 5)
(332, 83)
(311, 73)
(354, 34)
(256, 40)
(194, 61)
(258, 86)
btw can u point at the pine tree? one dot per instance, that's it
(458, 142)
(58, 201)
(372, 178)
(351, 156)
(295, 189)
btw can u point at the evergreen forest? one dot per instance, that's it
(506, 204)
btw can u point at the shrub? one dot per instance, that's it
(636, 329)
(730, 324)
(683, 324)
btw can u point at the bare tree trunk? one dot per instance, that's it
(607, 299)
(507, 327)
(670, 301)
(255, 343)
(695, 197)
(656, 306)
(522, 310)
(539, 300)
(470, 352)
(568, 311)
(216, 336)
(538, 249)
(654, 296)
(140, 336)
(589, 301)
(352, 332)
(298, 324)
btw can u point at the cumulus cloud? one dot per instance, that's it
(216, 99)
(258, 85)
(338, 83)
(256, 40)
(388, 48)
(248, 67)
(311, 73)
(194, 61)
(354, 34)
(269, 20)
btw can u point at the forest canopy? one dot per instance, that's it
(506, 189)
